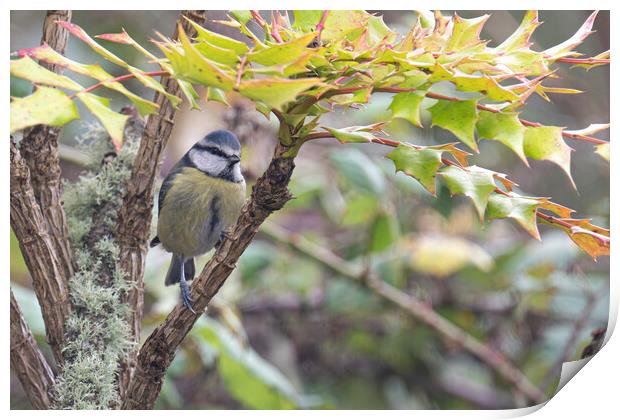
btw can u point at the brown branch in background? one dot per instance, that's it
(418, 309)
(39, 151)
(134, 221)
(40, 254)
(28, 362)
(269, 194)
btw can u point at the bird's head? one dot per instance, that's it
(218, 154)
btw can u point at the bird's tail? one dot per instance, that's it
(175, 271)
(180, 268)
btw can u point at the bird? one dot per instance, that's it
(199, 200)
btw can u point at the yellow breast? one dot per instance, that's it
(196, 209)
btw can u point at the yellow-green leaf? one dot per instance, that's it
(565, 48)
(47, 106)
(280, 54)
(504, 127)
(338, 23)
(474, 182)
(219, 40)
(465, 32)
(276, 92)
(520, 209)
(421, 164)
(113, 122)
(521, 37)
(406, 105)
(26, 68)
(546, 143)
(486, 85)
(459, 117)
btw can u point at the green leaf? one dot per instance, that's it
(378, 31)
(474, 182)
(350, 135)
(486, 85)
(459, 117)
(228, 58)
(113, 122)
(504, 127)
(47, 54)
(421, 164)
(406, 105)
(47, 106)
(603, 151)
(217, 95)
(466, 32)
(520, 209)
(242, 16)
(82, 35)
(26, 68)
(384, 232)
(219, 40)
(547, 143)
(565, 48)
(521, 37)
(276, 92)
(279, 54)
(191, 66)
(338, 24)
(248, 378)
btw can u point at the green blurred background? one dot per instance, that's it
(284, 332)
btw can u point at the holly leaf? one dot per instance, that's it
(565, 48)
(589, 130)
(421, 164)
(465, 32)
(190, 65)
(351, 135)
(26, 68)
(276, 92)
(113, 122)
(520, 209)
(219, 40)
(338, 24)
(594, 244)
(280, 54)
(521, 37)
(547, 143)
(504, 127)
(485, 84)
(406, 105)
(46, 105)
(459, 117)
(474, 182)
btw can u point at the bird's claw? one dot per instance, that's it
(224, 235)
(185, 295)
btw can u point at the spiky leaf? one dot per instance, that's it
(406, 105)
(421, 164)
(459, 117)
(504, 127)
(276, 92)
(474, 182)
(547, 143)
(520, 209)
(47, 106)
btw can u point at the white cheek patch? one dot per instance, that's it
(236, 172)
(207, 162)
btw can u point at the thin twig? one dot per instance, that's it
(320, 26)
(120, 79)
(413, 306)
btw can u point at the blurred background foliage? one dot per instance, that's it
(284, 332)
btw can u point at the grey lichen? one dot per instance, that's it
(98, 335)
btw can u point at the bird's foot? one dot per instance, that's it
(186, 296)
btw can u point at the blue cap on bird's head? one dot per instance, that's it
(222, 138)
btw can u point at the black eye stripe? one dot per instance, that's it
(212, 150)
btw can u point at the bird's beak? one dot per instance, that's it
(234, 159)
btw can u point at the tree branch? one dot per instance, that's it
(28, 362)
(135, 215)
(413, 306)
(39, 251)
(39, 149)
(269, 194)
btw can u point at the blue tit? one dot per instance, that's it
(200, 198)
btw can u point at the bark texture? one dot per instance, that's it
(29, 365)
(39, 151)
(134, 223)
(269, 194)
(40, 253)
